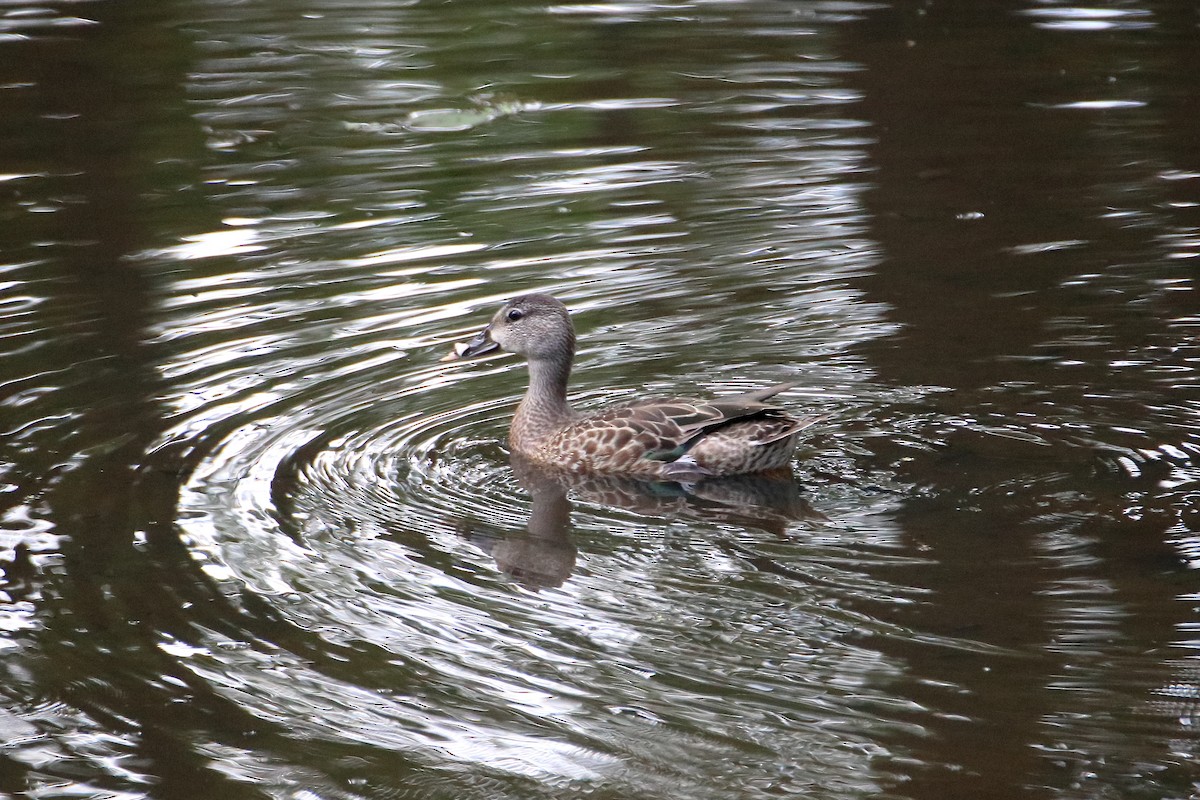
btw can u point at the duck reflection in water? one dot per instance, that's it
(726, 458)
(544, 556)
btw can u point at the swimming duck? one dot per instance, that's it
(668, 439)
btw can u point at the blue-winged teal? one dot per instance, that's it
(659, 439)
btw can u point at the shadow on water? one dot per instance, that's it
(1044, 299)
(101, 577)
(110, 572)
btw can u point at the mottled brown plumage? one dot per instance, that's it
(662, 439)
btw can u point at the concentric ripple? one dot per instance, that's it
(359, 492)
(350, 521)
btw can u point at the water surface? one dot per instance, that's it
(259, 542)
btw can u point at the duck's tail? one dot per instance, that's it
(758, 395)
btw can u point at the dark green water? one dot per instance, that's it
(260, 543)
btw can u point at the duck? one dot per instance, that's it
(657, 439)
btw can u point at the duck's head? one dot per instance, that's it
(536, 326)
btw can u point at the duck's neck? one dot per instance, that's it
(544, 410)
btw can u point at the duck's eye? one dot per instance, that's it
(514, 314)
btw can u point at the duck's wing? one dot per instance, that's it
(685, 422)
(696, 416)
(663, 430)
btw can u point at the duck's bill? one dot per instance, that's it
(480, 345)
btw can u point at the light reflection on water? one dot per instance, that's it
(374, 503)
(278, 549)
